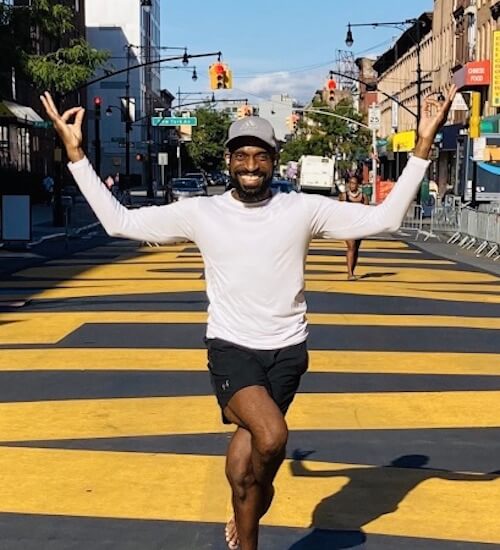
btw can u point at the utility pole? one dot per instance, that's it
(128, 122)
(97, 133)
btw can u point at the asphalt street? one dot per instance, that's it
(110, 437)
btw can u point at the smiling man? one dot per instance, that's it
(254, 245)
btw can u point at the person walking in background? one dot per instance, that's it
(354, 194)
(48, 185)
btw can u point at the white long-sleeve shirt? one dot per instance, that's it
(254, 254)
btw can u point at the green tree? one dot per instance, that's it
(206, 150)
(324, 135)
(44, 26)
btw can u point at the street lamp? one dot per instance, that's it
(349, 40)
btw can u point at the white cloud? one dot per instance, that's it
(300, 86)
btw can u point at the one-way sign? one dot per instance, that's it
(174, 121)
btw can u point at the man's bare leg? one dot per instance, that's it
(239, 471)
(254, 456)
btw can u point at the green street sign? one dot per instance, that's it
(42, 124)
(174, 121)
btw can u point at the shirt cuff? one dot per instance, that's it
(417, 161)
(78, 164)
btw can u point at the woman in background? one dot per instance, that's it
(353, 193)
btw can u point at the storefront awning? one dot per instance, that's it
(20, 113)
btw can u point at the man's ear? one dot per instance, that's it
(276, 159)
(227, 158)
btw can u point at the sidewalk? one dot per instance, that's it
(453, 252)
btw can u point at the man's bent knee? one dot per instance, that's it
(271, 443)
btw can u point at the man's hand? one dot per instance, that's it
(70, 134)
(434, 115)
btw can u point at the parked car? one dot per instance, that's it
(200, 176)
(184, 188)
(282, 186)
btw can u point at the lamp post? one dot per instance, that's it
(349, 40)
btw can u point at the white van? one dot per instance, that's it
(316, 174)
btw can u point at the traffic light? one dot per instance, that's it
(97, 106)
(330, 88)
(295, 118)
(221, 77)
(245, 110)
(139, 157)
(475, 114)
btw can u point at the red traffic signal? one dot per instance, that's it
(97, 106)
(220, 75)
(331, 86)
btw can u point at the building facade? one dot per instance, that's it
(26, 143)
(132, 36)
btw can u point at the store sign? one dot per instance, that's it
(474, 73)
(404, 142)
(495, 69)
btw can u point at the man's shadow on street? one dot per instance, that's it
(369, 493)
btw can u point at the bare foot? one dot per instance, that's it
(352, 278)
(232, 535)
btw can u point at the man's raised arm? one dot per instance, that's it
(353, 221)
(152, 224)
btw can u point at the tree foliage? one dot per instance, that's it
(33, 42)
(329, 136)
(206, 150)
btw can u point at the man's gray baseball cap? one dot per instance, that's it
(252, 126)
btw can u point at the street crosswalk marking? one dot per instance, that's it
(106, 484)
(49, 328)
(125, 417)
(191, 360)
(92, 483)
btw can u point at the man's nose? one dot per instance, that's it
(251, 164)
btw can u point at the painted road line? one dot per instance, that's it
(183, 282)
(186, 360)
(50, 328)
(78, 419)
(396, 501)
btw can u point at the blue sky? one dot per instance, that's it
(271, 46)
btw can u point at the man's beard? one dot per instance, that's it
(254, 194)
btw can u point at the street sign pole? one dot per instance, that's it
(374, 119)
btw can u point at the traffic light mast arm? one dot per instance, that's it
(209, 101)
(145, 64)
(382, 92)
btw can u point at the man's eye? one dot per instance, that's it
(239, 156)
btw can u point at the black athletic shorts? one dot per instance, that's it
(233, 367)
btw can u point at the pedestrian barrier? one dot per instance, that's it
(413, 220)
(480, 229)
(78, 217)
(444, 219)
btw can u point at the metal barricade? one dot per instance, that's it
(444, 219)
(413, 220)
(480, 229)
